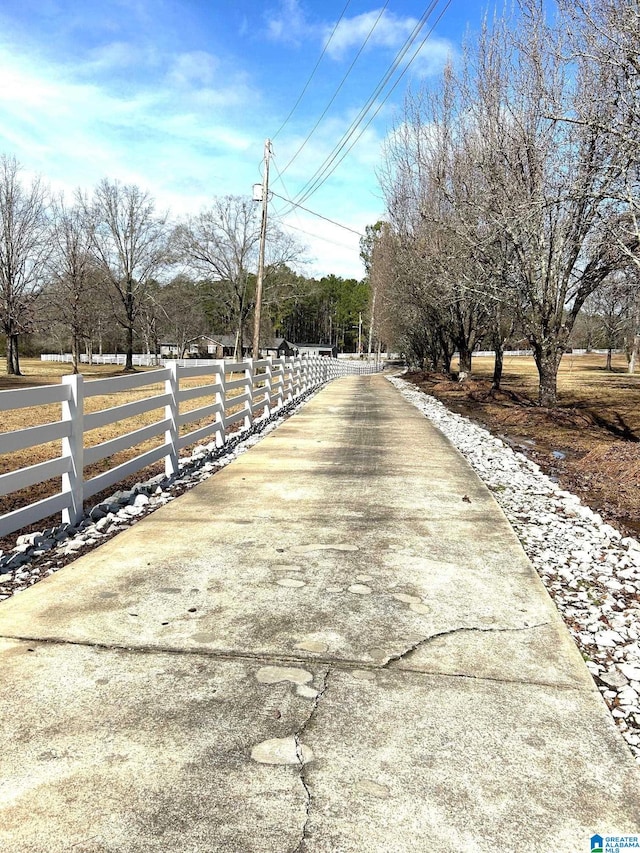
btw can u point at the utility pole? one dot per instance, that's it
(263, 239)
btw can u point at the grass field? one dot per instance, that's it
(595, 427)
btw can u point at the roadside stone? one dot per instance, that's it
(27, 540)
(630, 671)
(17, 560)
(613, 678)
(131, 511)
(64, 533)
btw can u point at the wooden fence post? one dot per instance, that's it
(73, 447)
(172, 410)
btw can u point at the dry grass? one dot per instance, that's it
(596, 425)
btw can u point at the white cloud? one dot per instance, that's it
(184, 126)
(287, 23)
(74, 133)
(119, 56)
(390, 31)
(433, 56)
(194, 68)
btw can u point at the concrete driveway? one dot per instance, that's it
(334, 645)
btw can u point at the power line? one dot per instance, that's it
(319, 215)
(340, 85)
(310, 185)
(315, 236)
(324, 172)
(301, 230)
(315, 68)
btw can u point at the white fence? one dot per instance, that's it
(139, 360)
(235, 392)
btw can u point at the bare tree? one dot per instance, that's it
(434, 192)
(613, 308)
(130, 247)
(24, 249)
(221, 243)
(71, 292)
(606, 33)
(507, 179)
(551, 183)
(181, 314)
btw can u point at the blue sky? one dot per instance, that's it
(178, 97)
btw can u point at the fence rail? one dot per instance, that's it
(232, 393)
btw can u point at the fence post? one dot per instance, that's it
(73, 447)
(268, 377)
(221, 399)
(287, 387)
(281, 360)
(248, 387)
(172, 411)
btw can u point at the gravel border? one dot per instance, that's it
(591, 571)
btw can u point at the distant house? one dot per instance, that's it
(205, 346)
(168, 350)
(278, 348)
(324, 350)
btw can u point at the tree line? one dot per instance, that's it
(511, 187)
(108, 269)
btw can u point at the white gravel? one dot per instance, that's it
(590, 570)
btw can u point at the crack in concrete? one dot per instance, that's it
(299, 753)
(269, 658)
(425, 640)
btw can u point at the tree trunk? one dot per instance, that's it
(608, 366)
(464, 359)
(446, 361)
(13, 359)
(446, 351)
(129, 307)
(635, 354)
(237, 354)
(75, 352)
(547, 361)
(128, 365)
(498, 365)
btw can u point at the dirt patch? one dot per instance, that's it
(589, 444)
